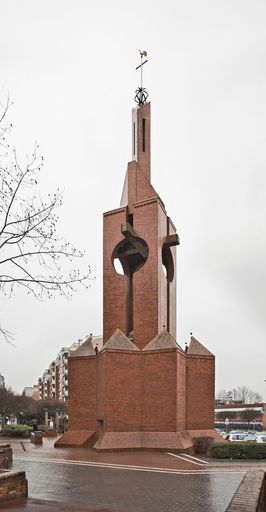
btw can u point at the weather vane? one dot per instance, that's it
(141, 94)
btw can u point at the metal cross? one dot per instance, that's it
(143, 53)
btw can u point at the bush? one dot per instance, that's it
(16, 431)
(233, 450)
(41, 428)
(202, 445)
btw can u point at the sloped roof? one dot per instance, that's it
(161, 341)
(86, 349)
(197, 349)
(120, 341)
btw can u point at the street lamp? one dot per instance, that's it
(227, 421)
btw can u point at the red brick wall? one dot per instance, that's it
(132, 395)
(151, 223)
(145, 281)
(141, 391)
(122, 389)
(143, 158)
(150, 390)
(13, 485)
(200, 392)
(181, 406)
(172, 286)
(159, 378)
(5, 456)
(149, 282)
(162, 280)
(114, 284)
(100, 414)
(82, 378)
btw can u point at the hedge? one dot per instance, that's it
(231, 450)
(16, 431)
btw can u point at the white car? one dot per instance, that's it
(261, 439)
(237, 437)
(251, 437)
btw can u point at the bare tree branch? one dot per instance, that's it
(241, 394)
(32, 255)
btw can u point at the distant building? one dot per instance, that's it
(233, 413)
(62, 372)
(2, 381)
(52, 374)
(53, 385)
(31, 392)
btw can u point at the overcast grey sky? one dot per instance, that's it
(69, 67)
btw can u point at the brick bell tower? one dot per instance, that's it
(139, 235)
(141, 390)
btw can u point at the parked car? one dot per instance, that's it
(251, 437)
(261, 438)
(223, 434)
(237, 437)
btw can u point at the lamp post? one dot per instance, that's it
(46, 421)
(226, 421)
(57, 420)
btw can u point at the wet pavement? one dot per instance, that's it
(82, 480)
(127, 489)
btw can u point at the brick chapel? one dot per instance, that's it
(141, 390)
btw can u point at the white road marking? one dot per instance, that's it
(195, 458)
(183, 458)
(130, 468)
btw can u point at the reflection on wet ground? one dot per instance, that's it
(127, 490)
(82, 480)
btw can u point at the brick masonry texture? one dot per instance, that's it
(250, 495)
(5, 456)
(130, 398)
(13, 485)
(82, 393)
(151, 223)
(200, 392)
(133, 392)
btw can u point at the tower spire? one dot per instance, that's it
(141, 94)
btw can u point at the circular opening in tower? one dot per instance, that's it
(168, 263)
(130, 255)
(118, 266)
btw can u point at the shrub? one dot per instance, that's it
(233, 450)
(16, 431)
(202, 445)
(41, 428)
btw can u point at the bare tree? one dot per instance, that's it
(241, 394)
(247, 396)
(249, 415)
(6, 404)
(32, 255)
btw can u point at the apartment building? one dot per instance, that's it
(31, 392)
(53, 385)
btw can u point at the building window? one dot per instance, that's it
(143, 135)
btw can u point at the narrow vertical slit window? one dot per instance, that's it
(130, 219)
(134, 139)
(168, 307)
(143, 135)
